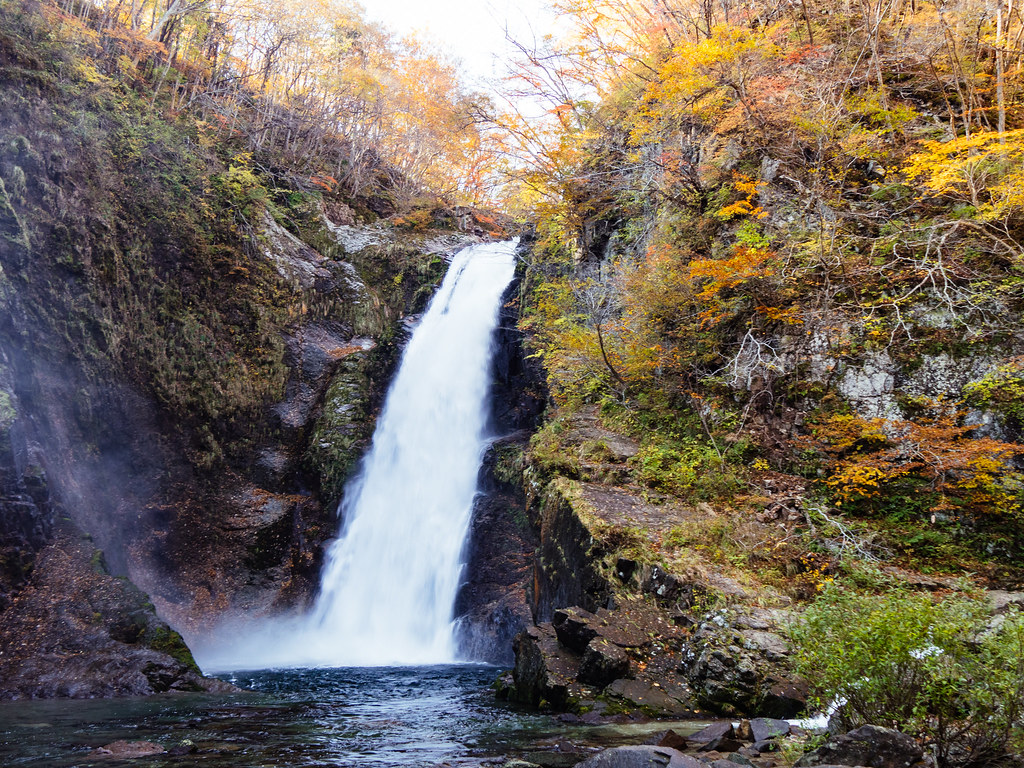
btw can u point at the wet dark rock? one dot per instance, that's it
(643, 756)
(764, 728)
(544, 671)
(492, 604)
(519, 388)
(565, 568)
(768, 745)
(602, 663)
(714, 731)
(721, 744)
(869, 745)
(668, 739)
(575, 628)
(625, 568)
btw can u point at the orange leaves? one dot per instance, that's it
(717, 277)
(720, 275)
(868, 455)
(325, 182)
(749, 188)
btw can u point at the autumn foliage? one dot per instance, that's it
(747, 210)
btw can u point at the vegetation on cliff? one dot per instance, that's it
(213, 220)
(779, 246)
(787, 238)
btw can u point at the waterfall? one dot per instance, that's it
(390, 579)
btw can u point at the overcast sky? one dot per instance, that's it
(473, 30)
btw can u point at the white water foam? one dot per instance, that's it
(390, 580)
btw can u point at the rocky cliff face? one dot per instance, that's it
(190, 367)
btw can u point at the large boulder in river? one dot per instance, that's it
(869, 745)
(642, 756)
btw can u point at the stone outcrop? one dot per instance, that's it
(618, 631)
(493, 604)
(626, 659)
(76, 631)
(736, 662)
(869, 745)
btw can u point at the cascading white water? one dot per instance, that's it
(390, 581)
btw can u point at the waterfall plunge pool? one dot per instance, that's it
(387, 595)
(383, 717)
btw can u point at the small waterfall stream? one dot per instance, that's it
(390, 580)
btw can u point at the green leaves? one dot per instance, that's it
(939, 669)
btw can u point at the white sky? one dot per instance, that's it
(472, 30)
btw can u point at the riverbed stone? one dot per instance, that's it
(712, 732)
(668, 738)
(870, 745)
(641, 757)
(128, 750)
(765, 728)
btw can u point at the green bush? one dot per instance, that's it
(944, 670)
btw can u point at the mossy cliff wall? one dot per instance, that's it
(194, 342)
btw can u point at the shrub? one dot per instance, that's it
(941, 670)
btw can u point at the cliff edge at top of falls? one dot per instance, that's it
(195, 339)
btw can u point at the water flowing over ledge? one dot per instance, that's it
(390, 579)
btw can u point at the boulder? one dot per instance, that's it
(643, 756)
(736, 669)
(721, 744)
(668, 738)
(544, 670)
(575, 628)
(603, 663)
(869, 745)
(712, 732)
(765, 728)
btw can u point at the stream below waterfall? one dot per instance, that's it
(388, 717)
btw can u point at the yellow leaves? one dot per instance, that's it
(985, 170)
(852, 481)
(868, 455)
(706, 77)
(787, 315)
(745, 207)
